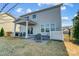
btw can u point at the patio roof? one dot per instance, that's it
(22, 21)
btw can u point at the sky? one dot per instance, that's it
(68, 11)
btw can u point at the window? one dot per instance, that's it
(47, 27)
(52, 27)
(42, 28)
(57, 29)
(30, 30)
(33, 16)
(27, 17)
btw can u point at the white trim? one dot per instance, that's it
(26, 36)
(14, 30)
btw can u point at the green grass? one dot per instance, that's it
(23, 47)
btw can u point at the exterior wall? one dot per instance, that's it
(51, 16)
(8, 27)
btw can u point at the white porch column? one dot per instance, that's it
(26, 36)
(14, 31)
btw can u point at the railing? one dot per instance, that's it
(20, 34)
(25, 18)
(56, 35)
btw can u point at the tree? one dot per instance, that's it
(76, 27)
(2, 32)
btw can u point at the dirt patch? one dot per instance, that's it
(26, 47)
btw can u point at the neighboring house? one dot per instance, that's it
(6, 22)
(46, 22)
(66, 29)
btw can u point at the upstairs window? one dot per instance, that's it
(26, 17)
(34, 16)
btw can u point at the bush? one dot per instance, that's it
(76, 28)
(2, 32)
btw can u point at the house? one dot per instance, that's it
(6, 22)
(46, 22)
(66, 29)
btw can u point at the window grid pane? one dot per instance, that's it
(33, 16)
(52, 27)
(47, 27)
(42, 28)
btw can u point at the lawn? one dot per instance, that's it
(27, 47)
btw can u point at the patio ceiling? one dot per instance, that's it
(29, 23)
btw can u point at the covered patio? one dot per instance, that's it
(25, 22)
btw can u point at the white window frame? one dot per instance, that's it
(42, 28)
(53, 27)
(33, 17)
(47, 26)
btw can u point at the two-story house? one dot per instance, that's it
(46, 22)
(6, 22)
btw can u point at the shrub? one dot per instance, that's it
(76, 28)
(2, 32)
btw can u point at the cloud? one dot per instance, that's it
(49, 4)
(40, 4)
(19, 9)
(53, 4)
(56, 3)
(28, 10)
(66, 21)
(65, 18)
(2, 12)
(63, 7)
(75, 15)
(69, 4)
(23, 11)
